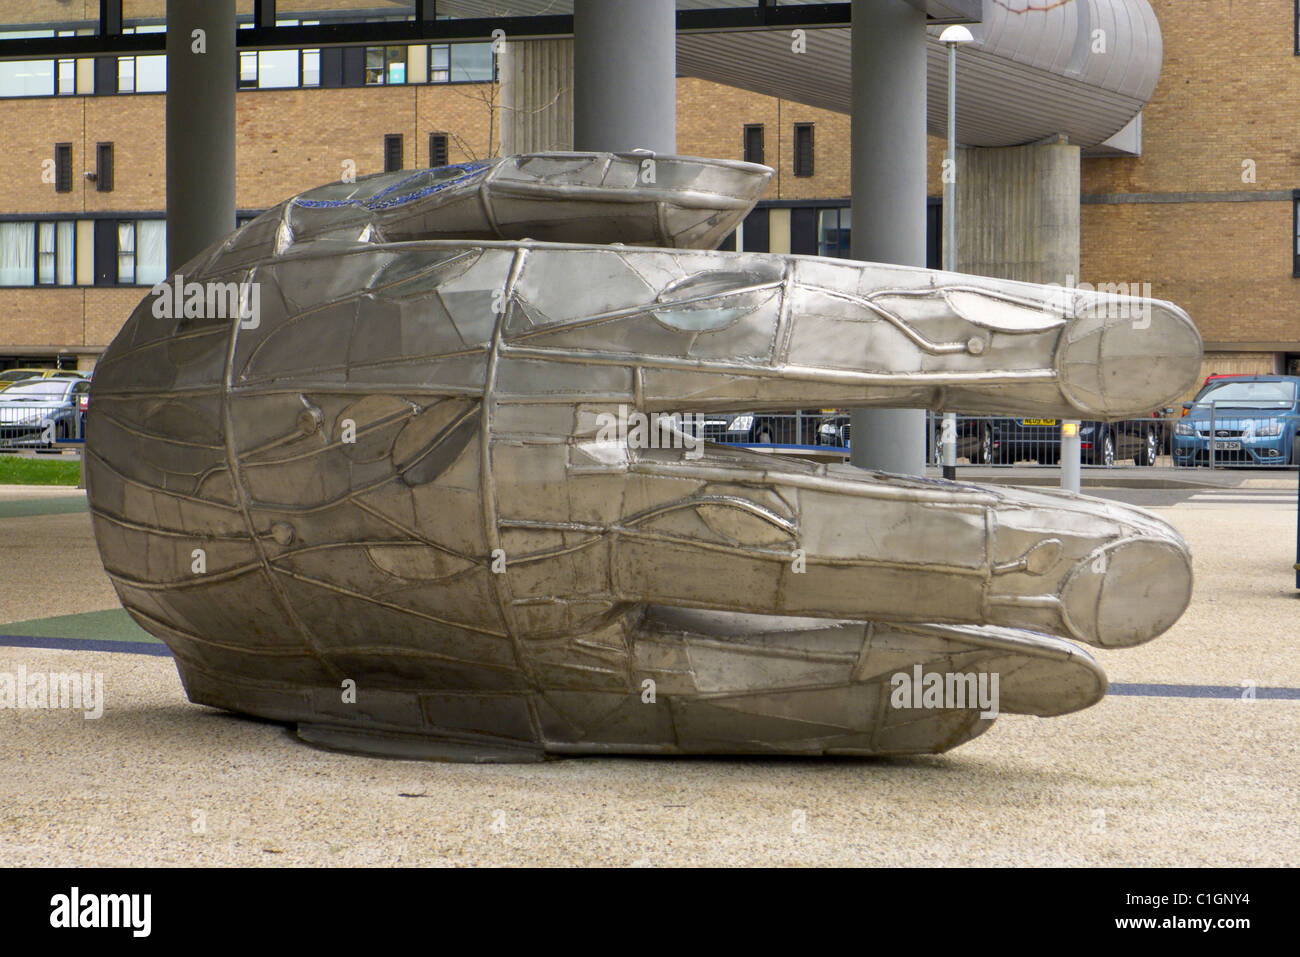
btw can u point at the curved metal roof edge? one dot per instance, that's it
(1031, 73)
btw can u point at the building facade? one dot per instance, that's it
(1207, 215)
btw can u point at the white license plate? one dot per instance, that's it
(1227, 446)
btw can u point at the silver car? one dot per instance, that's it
(40, 413)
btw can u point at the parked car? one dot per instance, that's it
(759, 428)
(834, 429)
(1255, 421)
(974, 439)
(1100, 443)
(10, 376)
(38, 413)
(974, 436)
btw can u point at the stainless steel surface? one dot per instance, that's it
(389, 504)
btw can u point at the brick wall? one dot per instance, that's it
(1227, 264)
(711, 119)
(1228, 93)
(288, 141)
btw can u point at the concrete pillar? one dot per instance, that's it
(1018, 212)
(1018, 218)
(889, 191)
(625, 75)
(200, 126)
(536, 96)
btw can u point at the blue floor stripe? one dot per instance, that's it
(158, 649)
(1200, 691)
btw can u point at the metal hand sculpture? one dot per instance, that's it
(380, 501)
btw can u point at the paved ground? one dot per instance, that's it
(1194, 774)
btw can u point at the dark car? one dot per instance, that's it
(1100, 443)
(974, 439)
(834, 429)
(39, 413)
(1255, 420)
(760, 428)
(974, 436)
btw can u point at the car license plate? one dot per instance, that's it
(1227, 446)
(1039, 421)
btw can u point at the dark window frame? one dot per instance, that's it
(746, 152)
(1295, 232)
(394, 141)
(63, 168)
(104, 171)
(798, 166)
(445, 145)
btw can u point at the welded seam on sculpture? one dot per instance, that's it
(241, 496)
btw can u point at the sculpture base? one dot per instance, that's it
(527, 727)
(418, 747)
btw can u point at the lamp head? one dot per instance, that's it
(956, 34)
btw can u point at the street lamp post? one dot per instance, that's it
(953, 37)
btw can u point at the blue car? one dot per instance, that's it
(1255, 420)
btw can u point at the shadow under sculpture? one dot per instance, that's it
(383, 502)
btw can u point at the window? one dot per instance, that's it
(438, 150)
(279, 69)
(821, 231)
(66, 82)
(247, 70)
(151, 251)
(393, 153)
(803, 149)
(41, 253)
(835, 228)
(17, 254)
(440, 63)
(1295, 229)
(934, 233)
(56, 253)
(385, 65)
(141, 251)
(27, 78)
(142, 74)
(462, 63)
(63, 167)
(126, 252)
(104, 167)
(311, 67)
(754, 143)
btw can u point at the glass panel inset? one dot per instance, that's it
(27, 78)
